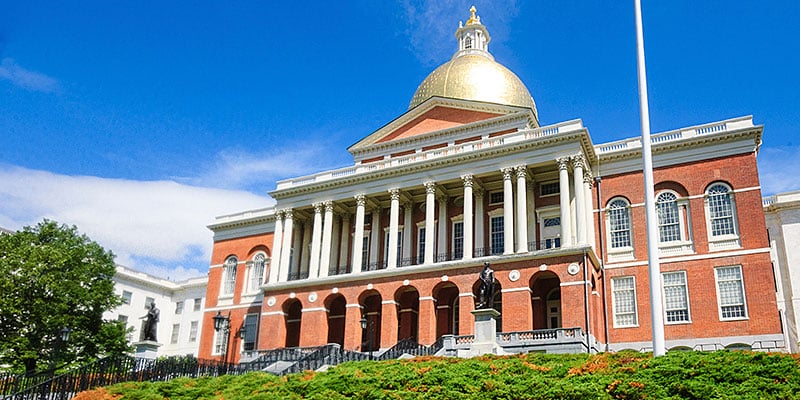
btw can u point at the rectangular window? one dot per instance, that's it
(126, 297)
(193, 332)
(730, 293)
(549, 188)
(399, 246)
(148, 301)
(365, 252)
(458, 240)
(496, 236)
(198, 304)
(676, 296)
(496, 198)
(176, 332)
(229, 273)
(623, 298)
(220, 342)
(179, 307)
(619, 226)
(421, 245)
(250, 331)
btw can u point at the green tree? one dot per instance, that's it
(52, 277)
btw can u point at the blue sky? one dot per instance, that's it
(140, 121)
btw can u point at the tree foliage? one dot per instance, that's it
(52, 277)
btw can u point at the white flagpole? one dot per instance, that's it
(653, 267)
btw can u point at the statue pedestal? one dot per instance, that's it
(147, 349)
(485, 332)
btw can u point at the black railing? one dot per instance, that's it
(293, 276)
(545, 244)
(109, 371)
(340, 270)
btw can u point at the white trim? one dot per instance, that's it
(466, 295)
(693, 258)
(304, 310)
(427, 298)
(516, 289)
(576, 283)
(390, 302)
(268, 313)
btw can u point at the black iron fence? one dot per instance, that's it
(109, 371)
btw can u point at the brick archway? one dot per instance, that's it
(407, 299)
(337, 310)
(445, 296)
(371, 303)
(293, 314)
(545, 300)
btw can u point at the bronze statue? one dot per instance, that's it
(151, 323)
(486, 291)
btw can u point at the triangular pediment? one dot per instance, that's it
(436, 119)
(434, 115)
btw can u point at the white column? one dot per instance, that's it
(316, 242)
(344, 243)
(394, 223)
(286, 248)
(522, 208)
(508, 211)
(480, 218)
(563, 194)
(408, 228)
(580, 202)
(468, 217)
(327, 235)
(375, 238)
(277, 235)
(336, 240)
(587, 191)
(430, 193)
(531, 206)
(442, 244)
(358, 235)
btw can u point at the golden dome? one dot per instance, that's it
(472, 73)
(474, 77)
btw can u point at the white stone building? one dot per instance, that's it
(782, 213)
(180, 304)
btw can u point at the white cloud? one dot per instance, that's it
(158, 227)
(433, 42)
(778, 169)
(27, 79)
(237, 168)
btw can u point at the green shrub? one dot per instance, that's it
(624, 375)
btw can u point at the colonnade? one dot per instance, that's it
(575, 212)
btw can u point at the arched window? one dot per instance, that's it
(721, 217)
(257, 272)
(669, 221)
(619, 221)
(720, 210)
(468, 42)
(229, 276)
(618, 230)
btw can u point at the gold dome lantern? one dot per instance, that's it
(472, 73)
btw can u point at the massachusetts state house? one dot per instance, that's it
(390, 248)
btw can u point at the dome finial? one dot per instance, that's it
(473, 19)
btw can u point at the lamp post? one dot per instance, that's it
(371, 325)
(60, 345)
(222, 325)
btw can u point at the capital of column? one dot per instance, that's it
(507, 173)
(394, 193)
(563, 163)
(430, 187)
(587, 177)
(361, 200)
(288, 213)
(328, 206)
(278, 214)
(467, 180)
(318, 207)
(522, 171)
(578, 160)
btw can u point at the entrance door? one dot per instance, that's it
(554, 309)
